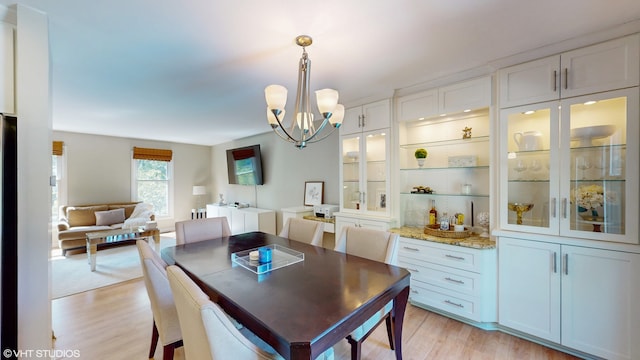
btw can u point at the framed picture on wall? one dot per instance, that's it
(313, 193)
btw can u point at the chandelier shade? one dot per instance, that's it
(303, 129)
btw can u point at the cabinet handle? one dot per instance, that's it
(415, 291)
(364, 197)
(566, 264)
(555, 81)
(410, 248)
(555, 262)
(363, 122)
(454, 304)
(566, 78)
(413, 270)
(564, 208)
(454, 257)
(454, 280)
(553, 205)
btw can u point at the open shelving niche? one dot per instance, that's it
(442, 138)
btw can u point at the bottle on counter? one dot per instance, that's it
(444, 221)
(433, 213)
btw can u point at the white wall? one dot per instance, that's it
(33, 108)
(99, 170)
(285, 168)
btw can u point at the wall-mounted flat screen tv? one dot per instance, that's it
(244, 165)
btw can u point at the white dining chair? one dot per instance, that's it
(189, 231)
(208, 332)
(378, 246)
(166, 327)
(303, 230)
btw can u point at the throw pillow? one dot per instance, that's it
(128, 209)
(83, 216)
(110, 217)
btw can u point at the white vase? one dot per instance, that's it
(420, 161)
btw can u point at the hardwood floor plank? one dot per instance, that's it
(114, 323)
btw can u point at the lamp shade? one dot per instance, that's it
(199, 190)
(338, 115)
(272, 118)
(276, 96)
(327, 100)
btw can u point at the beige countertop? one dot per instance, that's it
(473, 241)
(317, 218)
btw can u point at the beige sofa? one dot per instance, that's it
(76, 221)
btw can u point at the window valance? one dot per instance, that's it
(152, 154)
(57, 148)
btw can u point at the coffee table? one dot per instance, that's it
(115, 236)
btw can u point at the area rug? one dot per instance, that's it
(72, 275)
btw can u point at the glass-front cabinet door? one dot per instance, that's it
(530, 181)
(600, 182)
(567, 170)
(365, 172)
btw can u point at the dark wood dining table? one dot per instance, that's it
(301, 309)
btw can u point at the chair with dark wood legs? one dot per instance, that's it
(378, 246)
(166, 327)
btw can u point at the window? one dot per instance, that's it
(152, 185)
(58, 172)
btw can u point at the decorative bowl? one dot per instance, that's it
(588, 133)
(520, 208)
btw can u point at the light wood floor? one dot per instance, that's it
(115, 322)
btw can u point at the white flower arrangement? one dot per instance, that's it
(592, 196)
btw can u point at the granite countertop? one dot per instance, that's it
(317, 218)
(473, 241)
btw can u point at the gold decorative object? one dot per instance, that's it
(520, 208)
(466, 133)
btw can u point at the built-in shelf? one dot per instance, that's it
(449, 142)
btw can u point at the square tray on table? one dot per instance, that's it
(281, 256)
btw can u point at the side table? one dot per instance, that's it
(117, 235)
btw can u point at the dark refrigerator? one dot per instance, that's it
(8, 233)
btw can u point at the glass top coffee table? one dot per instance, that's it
(116, 236)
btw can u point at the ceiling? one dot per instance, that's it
(194, 71)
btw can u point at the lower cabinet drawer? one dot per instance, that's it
(458, 304)
(464, 282)
(448, 255)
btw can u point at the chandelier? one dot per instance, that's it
(303, 130)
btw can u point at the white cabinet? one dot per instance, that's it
(582, 298)
(242, 220)
(456, 280)
(364, 170)
(367, 117)
(296, 212)
(455, 98)
(7, 98)
(342, 220)
(609, 65)
(579, 177)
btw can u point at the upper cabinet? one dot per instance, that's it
(609, 65)
(570, 165)
(468, 95)
(367, 117)
(7, 98)
(364, 159)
